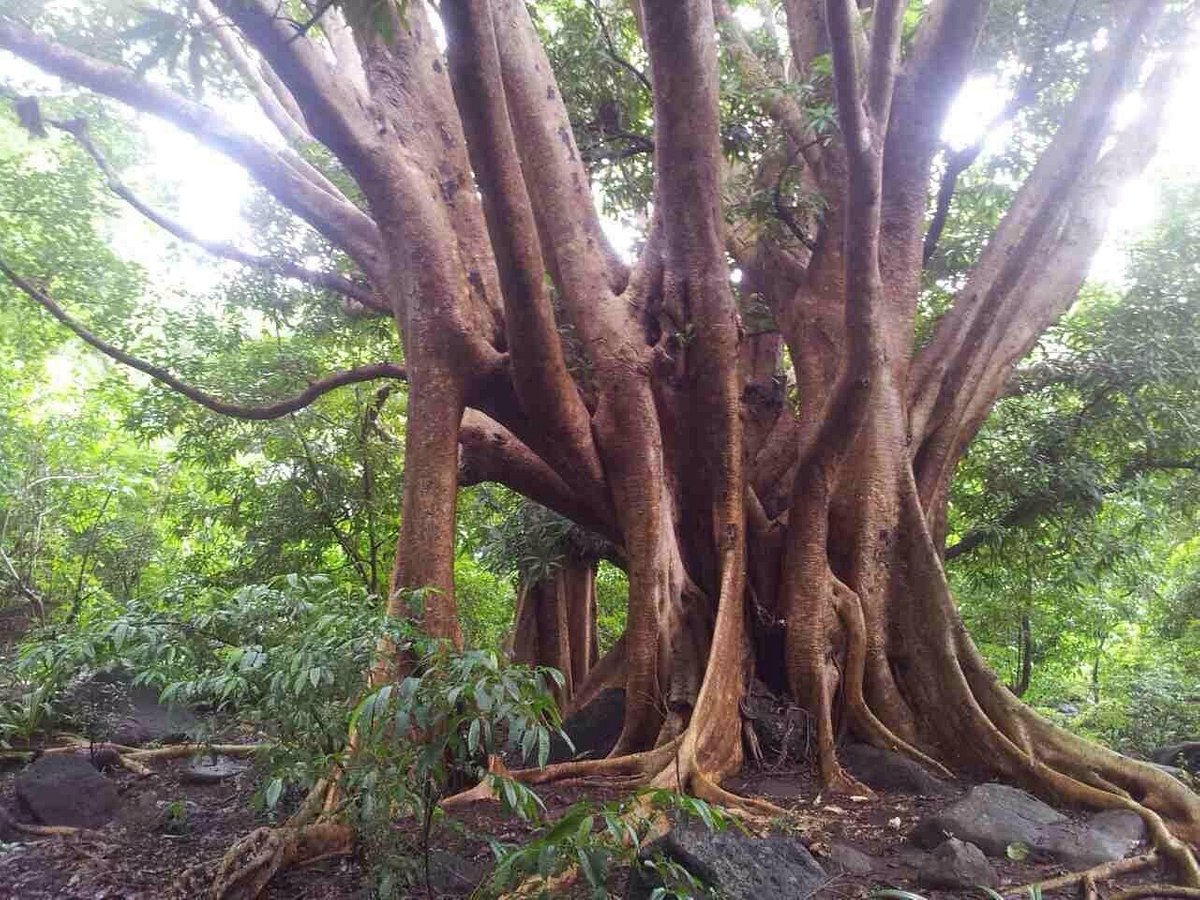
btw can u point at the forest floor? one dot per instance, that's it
(137, 856)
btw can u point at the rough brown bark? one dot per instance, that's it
(555, 624)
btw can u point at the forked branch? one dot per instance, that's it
(329, 281)
(208, 401)
(282, 173)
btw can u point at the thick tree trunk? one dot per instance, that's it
(555, 624)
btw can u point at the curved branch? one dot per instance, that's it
(208, 401)
(490, 452)
(285, 117)
(283, 173)
(329, 281)
(610, 48)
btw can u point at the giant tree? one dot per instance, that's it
(776, 491)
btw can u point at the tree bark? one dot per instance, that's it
(555, 624)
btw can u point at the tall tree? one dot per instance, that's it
(747, 524)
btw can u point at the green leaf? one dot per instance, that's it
(1017, 851)
(273, 792)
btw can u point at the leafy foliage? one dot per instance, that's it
(596, 838)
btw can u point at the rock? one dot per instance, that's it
(115, 709)
(211, 771)
(736, 865)
(1101, 838)
(8, 829)
(887, 771)
(66, 790)
(957, 864)
(1175, 772)
(152, 722)
(991, 816)
(1185, 756)
(850, 860)
(593, 730)
(451, 874)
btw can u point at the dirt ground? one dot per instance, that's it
(136, 856)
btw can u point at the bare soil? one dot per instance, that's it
(136, 856)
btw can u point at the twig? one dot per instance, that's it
(1096, 873)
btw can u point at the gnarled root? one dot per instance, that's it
(134, 759)
(252, 862)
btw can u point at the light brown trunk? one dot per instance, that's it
(555, 624)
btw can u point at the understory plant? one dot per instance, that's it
(286, 658)
(433, 732)
(596, 839)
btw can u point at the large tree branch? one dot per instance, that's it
(576, 251)
(329, 281)
(282, 116)
(208, 401)
(927, 84)
(544, 387)
(490, 452)
(1036, 296)
(984, 305)
(958, 161)
(886, 20)
(339, 117)
(347, 59)
(341, 222)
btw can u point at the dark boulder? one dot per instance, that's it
(737, 866)
(884, 770)
(66, 790)
(211, 771)
(991, 816)
(957, 864)
(593, 730)
(1184, 756)
(849, 860)
(1100, 838)
(110, 707)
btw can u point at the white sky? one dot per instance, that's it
(207, 191)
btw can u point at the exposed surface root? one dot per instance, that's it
(849, 610)
(1096, 873)
(645, 765)
(250, 864)
(1156, 891)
